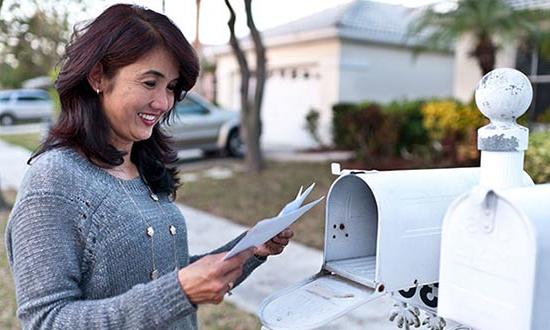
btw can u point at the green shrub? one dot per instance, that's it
(406, 117)
(537, 157)
(428, 130)
(453, 126)
(340, 133)
(372, 129)
(544, 117)
(365, 129)
(312, 125)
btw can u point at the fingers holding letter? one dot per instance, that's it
(208, 279)
(275, 245)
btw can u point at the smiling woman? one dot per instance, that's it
(95, 239)
(137, 97)
(114, 48)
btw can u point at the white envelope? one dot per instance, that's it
(265, 229)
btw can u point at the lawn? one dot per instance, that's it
(28, 141)
(224, 316)
(8, 321)
(246, 198)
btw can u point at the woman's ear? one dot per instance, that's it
(96, 78)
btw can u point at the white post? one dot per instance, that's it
(503, 95)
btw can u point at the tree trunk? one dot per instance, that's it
(250, 108)
(254, 157)
(485, 53)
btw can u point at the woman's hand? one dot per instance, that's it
(275, 245)
(208, 279)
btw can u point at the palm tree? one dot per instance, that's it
(488, 21)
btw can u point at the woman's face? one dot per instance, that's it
(138, 96)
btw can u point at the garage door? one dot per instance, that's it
(289, 95)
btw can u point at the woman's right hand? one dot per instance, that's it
(208, 279)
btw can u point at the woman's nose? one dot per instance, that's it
(162, 101)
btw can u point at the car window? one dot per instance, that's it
(4, 98)
(31, 98)
(190, 107)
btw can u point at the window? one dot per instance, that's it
(29, 98)
(190, 107)
(537, 68)
(32, 97)
(4, 98)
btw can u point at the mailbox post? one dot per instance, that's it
(503, 95)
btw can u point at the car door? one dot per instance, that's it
(30, 105)
(195, 125)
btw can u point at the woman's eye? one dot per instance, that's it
(171, 87)
(150, 84)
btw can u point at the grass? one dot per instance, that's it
(224, 316)
(8, 321)
(246, 198)
(28, 141)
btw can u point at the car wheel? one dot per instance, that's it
(235, 146)
(7, 120)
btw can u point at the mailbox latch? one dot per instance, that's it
(488, 211)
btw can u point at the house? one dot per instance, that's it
(355, 52)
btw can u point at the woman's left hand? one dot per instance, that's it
(275, 245)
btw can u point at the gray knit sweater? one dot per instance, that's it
(79, 254)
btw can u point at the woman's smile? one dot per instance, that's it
(148, 118)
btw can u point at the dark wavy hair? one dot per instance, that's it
(118, 37)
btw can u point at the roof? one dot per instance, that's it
(362, 20)
(522, 4)
(359, 19)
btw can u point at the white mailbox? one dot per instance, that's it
(495, 260)
(495, 244)
(382, 234)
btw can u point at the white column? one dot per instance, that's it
(503, 95)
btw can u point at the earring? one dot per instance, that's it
(97, 91)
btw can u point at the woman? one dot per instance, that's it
(94, 240)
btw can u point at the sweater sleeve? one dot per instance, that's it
(45, 248)
(248, 267)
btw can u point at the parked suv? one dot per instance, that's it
(25, 104)
(198, 124)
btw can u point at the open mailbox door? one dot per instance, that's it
(382, 233)
(313, 302)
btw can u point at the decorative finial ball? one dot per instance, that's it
(504, 94)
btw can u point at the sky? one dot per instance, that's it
(214, 14)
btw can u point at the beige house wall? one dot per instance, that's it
(384, 73)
